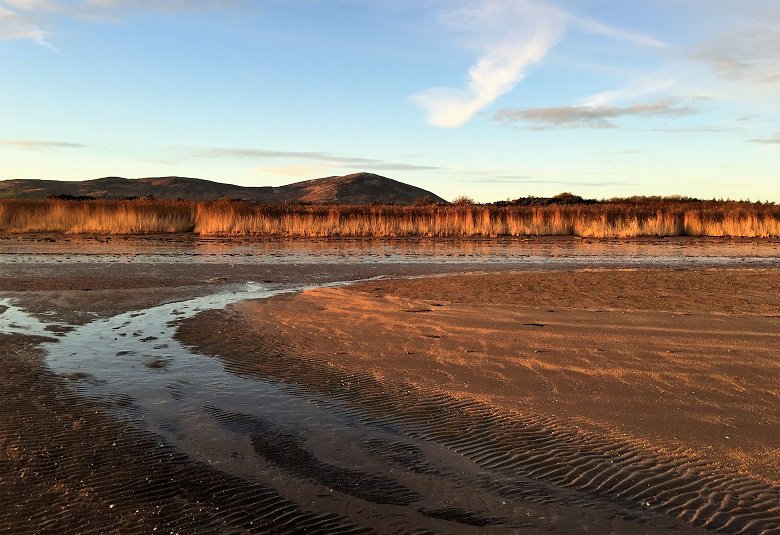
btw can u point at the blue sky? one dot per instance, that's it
(494, 99)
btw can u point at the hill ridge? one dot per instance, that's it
(353, 188)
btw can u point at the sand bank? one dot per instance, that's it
(673, 359)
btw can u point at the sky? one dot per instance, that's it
(492, 99)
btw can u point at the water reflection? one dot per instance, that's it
(190, 249)
(133, 363)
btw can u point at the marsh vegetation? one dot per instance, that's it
(613, 219)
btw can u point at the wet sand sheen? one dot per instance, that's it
(611, 366)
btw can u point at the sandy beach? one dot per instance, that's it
(673, 369)
(441, 398)
(679, 359)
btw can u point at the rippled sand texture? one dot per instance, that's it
(627, 392)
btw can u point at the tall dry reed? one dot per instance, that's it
(142, 216)
(238, 218)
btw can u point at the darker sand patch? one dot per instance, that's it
(67, 467)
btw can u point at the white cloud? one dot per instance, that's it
(628, 36)
(86, 6)
(511, 36)
(322, 158)
(159, 5)
(23, 19)
(39, 144)
(646, 85)
(13, 26)
(751, 54)
(35, 5)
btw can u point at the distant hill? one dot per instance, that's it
(357, 188)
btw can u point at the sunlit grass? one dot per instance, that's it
(240, 218)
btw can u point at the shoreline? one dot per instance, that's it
(194, 236)
(522, 253)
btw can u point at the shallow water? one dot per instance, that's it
(518, 251)
(132, 364)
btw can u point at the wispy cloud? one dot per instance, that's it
(394, 166)
(264, 154)
(24, 19)
(14, 26)
(695, 129)
(773, 140)
(595, 27)
(589, 116)
(160, 5)
(296, 171)
(39, 145)
(639, 88)
(750, 54)
(511, 36)
(333, 160)
(85, 7)
(526, 180)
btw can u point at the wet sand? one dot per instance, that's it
(68, 466)
(671, 374)
(452, 404)
(71, 463)
(680, 359)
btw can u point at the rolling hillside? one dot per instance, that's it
(358, 188)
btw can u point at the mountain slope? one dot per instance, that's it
(357, 188)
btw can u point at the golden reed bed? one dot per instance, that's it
(241, 218)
